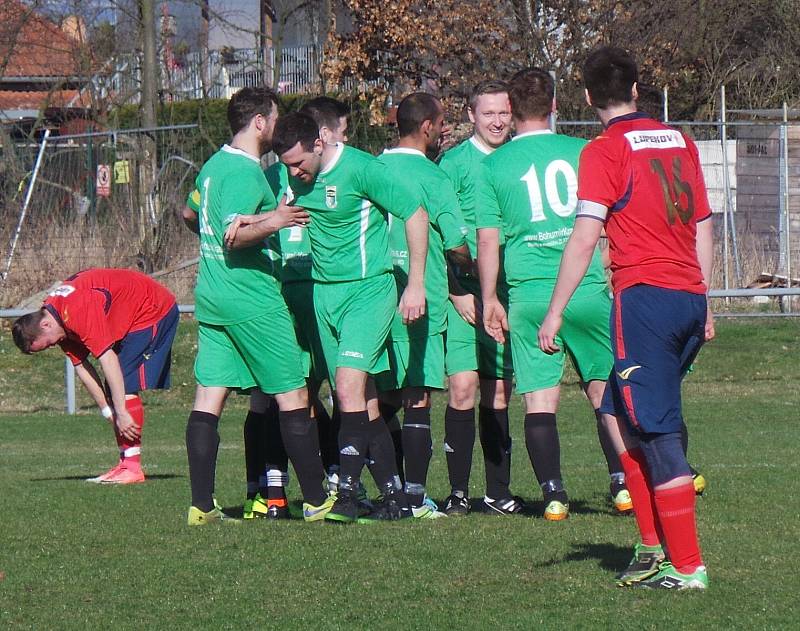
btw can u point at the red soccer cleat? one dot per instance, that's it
(102, 478)
(126, 475)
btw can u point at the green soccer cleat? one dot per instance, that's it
(255, 508)
(645, 563)
(556, 511)
(214, 516)
(668, 577)
(426, 512)
(318, 513)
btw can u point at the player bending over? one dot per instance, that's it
(127, 321)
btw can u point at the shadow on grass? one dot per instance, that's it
(82, 478)
(610, 557)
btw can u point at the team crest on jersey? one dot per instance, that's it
(330, 196)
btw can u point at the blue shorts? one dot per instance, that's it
(656, 333)
(145, 355)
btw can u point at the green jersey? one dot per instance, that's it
(349, 229)
(294, 241)
(462, 165)
(233, 285)
(528, 189)
(447, 231)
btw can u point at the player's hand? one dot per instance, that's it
(239, 222)
(547, 333)
(495, 320)
(126, 426)
(446, 138)
(710, 332)
(468, 307)
(286, 215)
(412, 304)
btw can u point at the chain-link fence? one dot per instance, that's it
(107, 199)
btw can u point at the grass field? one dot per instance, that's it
(79, 556)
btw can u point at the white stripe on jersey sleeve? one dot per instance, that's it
(591, 209)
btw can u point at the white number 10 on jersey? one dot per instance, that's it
(563, 208)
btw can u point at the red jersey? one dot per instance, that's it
(99, 307)
(644, 180)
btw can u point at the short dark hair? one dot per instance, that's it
(531, 93)
(326, 111)
(415, 109)
(490, 86)
(247, 103)
(293, 128)
(609, 74)
(26, 329)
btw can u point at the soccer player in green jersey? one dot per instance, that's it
(416, 351)
(527, 189)
(473, 359)
(354, 291)
(245, 334)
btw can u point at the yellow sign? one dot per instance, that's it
(122, 172)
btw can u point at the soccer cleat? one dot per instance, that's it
(643, 565)
(392, 507)
(621, 498)
(344, 509)
(668, 577)
(254, 508)
(214, 516)
(365, 506)
(504, 506)
(556, 511)
(125, 475)
(318, 513)
(102, 478)
(455, 505)
(699, 482)
(426, 512)
(278, 511)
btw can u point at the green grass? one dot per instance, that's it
(79, 556)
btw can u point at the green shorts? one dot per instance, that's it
(470, 348)
(584, 336)
(354, 319)
(414, 363)
(299, 298)
(262, 352)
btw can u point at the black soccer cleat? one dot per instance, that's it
(345, 509)
(503, 506)
(455, 505)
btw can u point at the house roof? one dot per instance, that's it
(32, 46)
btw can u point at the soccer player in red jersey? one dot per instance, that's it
(127, 321)
(642, 181)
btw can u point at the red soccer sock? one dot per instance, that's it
(132, 450)
(634, 465)
(675, 508)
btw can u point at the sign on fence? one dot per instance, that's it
(103, 180)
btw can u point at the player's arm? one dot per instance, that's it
(494, 315)
(248, 230)
(574, 263)
(705, 255)
(466, 303)
(94, 386)
(189, 212)
(112, 371)
(412, 302)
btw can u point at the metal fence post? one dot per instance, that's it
(69, 383)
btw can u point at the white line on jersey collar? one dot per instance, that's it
(406, 150)
(535, 132)
(479, 145)
(334, 159)
(238, 152)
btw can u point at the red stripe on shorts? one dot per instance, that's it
(618, 337)
(627, 395)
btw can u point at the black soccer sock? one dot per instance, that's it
(324, 427)
(612, 459)
(202, 443)
(389, 414)
(302, 444)
(353, 446)
(333, 437)
(459, 441)
(417, 450)
(544, 449)
(496, 443)
(277, 461)
(254, 460)
(382, 454)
